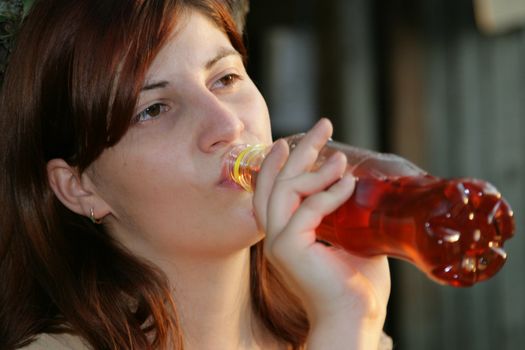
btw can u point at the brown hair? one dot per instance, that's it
(69, 93)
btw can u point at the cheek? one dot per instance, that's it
(257, 111)
(129, 181)
(152, 203)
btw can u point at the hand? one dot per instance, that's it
(290, 201)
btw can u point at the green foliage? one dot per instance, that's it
(11, 12)
(27, 4)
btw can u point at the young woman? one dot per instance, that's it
(120, 228)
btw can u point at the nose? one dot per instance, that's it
(220, 124)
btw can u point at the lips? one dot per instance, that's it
(227, 183)
(225, 180)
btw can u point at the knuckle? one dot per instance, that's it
(316, 202)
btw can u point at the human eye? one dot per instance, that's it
(226, 81)
(153, 111)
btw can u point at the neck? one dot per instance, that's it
(213, 302)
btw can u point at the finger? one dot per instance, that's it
(308, 183)
(300, 230)
(305, 153)
(287, 194)
(270, 168)
(274, 162)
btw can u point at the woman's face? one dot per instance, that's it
(164, 182)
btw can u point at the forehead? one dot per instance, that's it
(194, 40)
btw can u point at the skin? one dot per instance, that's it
(163, 194)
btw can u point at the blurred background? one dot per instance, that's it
(440, 82)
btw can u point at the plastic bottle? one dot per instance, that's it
(451, 229)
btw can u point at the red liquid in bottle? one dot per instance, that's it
(451, 229)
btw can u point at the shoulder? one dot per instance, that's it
(57, 342)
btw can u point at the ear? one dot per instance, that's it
(77, 192)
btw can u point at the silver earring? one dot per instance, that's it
(93, 218)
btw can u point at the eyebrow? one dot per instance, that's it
(155, 85)
(223, 52)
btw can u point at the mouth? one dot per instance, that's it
(226, 182)
(225, 179)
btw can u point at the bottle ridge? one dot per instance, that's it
(451, 229)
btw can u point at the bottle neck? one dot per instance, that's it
(244, 162)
